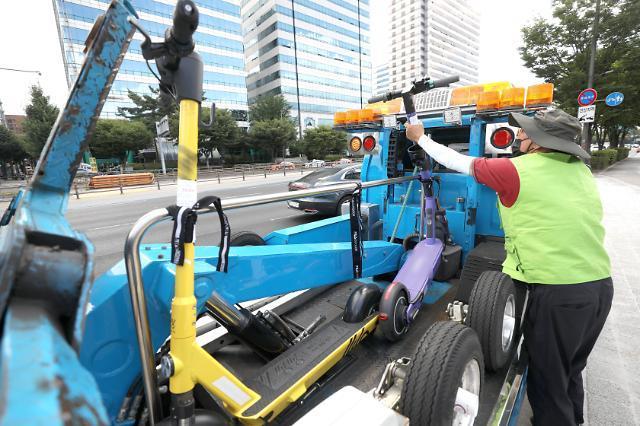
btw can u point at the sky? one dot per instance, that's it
(32, 44)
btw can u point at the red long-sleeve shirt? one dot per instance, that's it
(500, 175)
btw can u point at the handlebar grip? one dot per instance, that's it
(185, 22)
(376, 99)
(446, 81)
(385, 97)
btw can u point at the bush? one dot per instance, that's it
(333, 157)
(599, 160)
(613, 155)
(622, 153)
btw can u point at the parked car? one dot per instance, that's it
(315, 163)
(84, 169)
(324, 205)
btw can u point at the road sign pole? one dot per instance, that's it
(586, 127)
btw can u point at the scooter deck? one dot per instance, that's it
(285, 371)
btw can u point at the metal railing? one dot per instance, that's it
(134, 266)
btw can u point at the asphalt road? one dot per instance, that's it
(107, 220)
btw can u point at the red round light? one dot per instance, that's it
(502, 138)
(369, 143)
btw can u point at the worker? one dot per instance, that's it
(554, 240)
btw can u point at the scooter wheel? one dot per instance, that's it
(393, 312)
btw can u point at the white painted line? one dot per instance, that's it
(111, 226)
(273, 219)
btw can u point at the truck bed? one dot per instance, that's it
(363, 367)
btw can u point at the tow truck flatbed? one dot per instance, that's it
(364, 365)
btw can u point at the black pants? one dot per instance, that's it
(562, 325)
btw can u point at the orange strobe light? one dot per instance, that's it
(355, 144)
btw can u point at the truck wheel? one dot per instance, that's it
(445, 377)
(246, 238)
(393, 312)
(492, 314)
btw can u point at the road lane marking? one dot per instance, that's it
(283, 217)
(110, 226)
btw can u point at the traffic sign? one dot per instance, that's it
(587, 97)
(162, 126)
(614, 99)
(587, 114)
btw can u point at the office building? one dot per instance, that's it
(381, 81)
(315, 53)
(218, 41)
(437, 38)
(3, 121)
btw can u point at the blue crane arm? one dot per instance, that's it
(46, 266)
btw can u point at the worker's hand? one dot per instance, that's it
(414, 131)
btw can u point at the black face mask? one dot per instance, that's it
(515, 148)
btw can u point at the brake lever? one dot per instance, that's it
(212, 117)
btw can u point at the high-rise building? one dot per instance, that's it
(218, 41)
(436, 38)
(2, 118)
(313, 52)
(381, 82)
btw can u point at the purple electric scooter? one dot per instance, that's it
(402, 299)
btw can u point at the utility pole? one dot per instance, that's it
(586, 127)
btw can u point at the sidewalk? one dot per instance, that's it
(612, 387)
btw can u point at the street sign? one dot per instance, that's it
(614, 99)
(587, 97)
(162, 126)
(587, 114)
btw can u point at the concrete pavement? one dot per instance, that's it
(612, 389)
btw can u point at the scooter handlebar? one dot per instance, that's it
(385, 97)
(444, 82)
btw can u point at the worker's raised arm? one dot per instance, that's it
(498, 174)
(446, 156)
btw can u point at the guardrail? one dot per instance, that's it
(81, 184)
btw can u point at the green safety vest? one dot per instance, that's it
(553, 232)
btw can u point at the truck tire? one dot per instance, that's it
(246, 238)
(448, 357)
(492, 314)
(393, 312)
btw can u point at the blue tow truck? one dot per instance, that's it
(264, 329)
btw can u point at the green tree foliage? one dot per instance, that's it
(41, 116)
(113, 138)
(272, 135)
(269, 108)
(321, 141)
(558, 50)
(151, 108)
(10, 148)
(222, 134)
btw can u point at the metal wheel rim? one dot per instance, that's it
(470, 382)
(508, 322)
(399, 316)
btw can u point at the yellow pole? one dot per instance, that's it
(183, 306)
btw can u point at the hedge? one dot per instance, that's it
(622, 153)
(600, 160)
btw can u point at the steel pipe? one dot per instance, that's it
(139, 305)
(134, 270)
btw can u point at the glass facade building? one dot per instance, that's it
(218, 41)
(316, 53)
(381, 79)
(436, 38)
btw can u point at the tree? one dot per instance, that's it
(41, 116)
(10, 149)
(272, 135)
(222, 134)
(151, 108)
(558, 51)
(323, 140)
(269, 108)
(114, 138)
